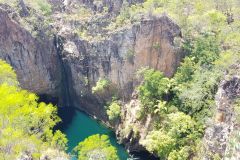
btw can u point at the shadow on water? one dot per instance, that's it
(143, 155)
(77, 126)
(67, 115)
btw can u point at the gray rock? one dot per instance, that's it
(118, 58)
(35, 61)
(218, 135)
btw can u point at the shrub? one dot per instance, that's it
(41, 6)
(197, 97)
(155, 87)
(205, 49)
(185, 71)
(174, 137)
(181, 154)
(233, 147)
(114, 111)
(96, 147)
(101, 85)
(7, 74)
(237, 111)
(159, 142)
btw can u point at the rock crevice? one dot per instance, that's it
(218, 135)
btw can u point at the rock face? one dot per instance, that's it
(35, 60)
(131, 131)
(218, 136)
(45, 66)
(148, 44)
(67, 66)
(113, 6)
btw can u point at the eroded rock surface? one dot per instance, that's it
(218, 136)
(131, 131)
(113, 6)
(118, 58)
(35, 60)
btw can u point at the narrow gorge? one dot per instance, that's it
(58, 66)
(65, 50)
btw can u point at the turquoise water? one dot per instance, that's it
(77, 126)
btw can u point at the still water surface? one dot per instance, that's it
(77, 126)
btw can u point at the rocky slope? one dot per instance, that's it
(131, 131)
(222, 132)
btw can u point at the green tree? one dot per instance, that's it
(114, 110)
(197, 97)
(155, 87)
(159, 142)
(182, 127)
(181, 154)
(25, 123)
(7, 74)
(96, 147)
(101, 85)
(205, 49)
(59, 140)
(174, 137)
(185, 71)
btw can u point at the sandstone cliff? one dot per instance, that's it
(148, 44)
(66, 65)
(44, 65)
(34, 59)
(63, 53)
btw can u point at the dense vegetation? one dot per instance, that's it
(101, 86)
(26, 126)
(176, 131)
(183, 103)
(41, 6)
(114, 110)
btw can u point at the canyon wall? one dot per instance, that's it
(46, 65)
(66, 66)
(34, 59)
(118, 58)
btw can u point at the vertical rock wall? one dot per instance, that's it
(68, 66)
(118, 58)
(35, 60)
